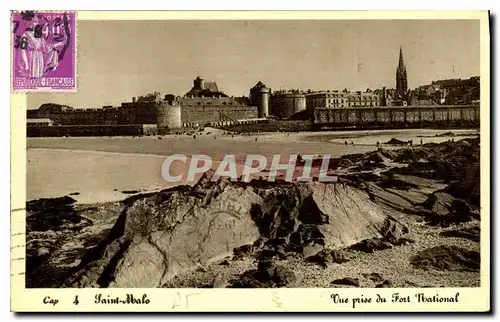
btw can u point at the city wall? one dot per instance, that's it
(398, 116)
(209, 114)
(79, 117)
(91, 130)
(150, 113)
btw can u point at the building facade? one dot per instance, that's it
(341, 99)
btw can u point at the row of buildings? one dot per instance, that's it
(205, 103)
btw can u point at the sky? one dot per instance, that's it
(121, 59)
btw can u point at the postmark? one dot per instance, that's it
(43, 51)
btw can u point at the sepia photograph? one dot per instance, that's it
(252, 153)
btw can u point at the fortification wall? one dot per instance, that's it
(397, 116)
(137, 113)
(206, 114)
(84, 117)
(87, 130)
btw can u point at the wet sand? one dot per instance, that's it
(100, 168)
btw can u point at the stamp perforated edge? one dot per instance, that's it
(75, 63)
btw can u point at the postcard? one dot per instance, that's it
(316, 161)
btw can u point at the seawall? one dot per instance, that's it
(390, 117)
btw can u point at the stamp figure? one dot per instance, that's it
(43, 51)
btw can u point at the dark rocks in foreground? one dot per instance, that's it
(447, 258)
(346, 281)
(268, 274)
(328, 256)
(443, 209)
(392, 232)
(160, 234)
(472, 233)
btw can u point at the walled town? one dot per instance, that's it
(450, 101)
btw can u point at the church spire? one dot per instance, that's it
(401, 65)
(401, 77)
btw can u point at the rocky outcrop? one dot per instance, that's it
(347, 281)
(390, 234)
(157, 236)
(164, 233)
(267, 274)
(58, 235)
(149, 238)
(447, 258)
(473, 233)
(443, 209)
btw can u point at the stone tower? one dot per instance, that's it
(259, 96)
(401, 78)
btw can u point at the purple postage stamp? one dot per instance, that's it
(43, 51)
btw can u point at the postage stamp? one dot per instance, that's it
(43, 51)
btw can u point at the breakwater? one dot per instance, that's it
(394, 117)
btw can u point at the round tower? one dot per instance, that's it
(264, 102)
(300, 102)
(169, 115)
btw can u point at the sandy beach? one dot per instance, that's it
(99, 169)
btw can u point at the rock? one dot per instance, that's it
(265, 270)
(270, 252)
(43, 251)
(392, 229)
(338, 256)
(439, 203)
(375, 277)
(411, 284)
(447, 258)
(307, 234)
(384, 284)
(54, 214)
(174, 230)
(45, 204)
(371, 245)
(248, 280)
(472, 233)
(219, 282)
(243, 250)
(347, 281)
(284, 276)
(394, 141)
(259, 243)
(311, 250)
(225, 263)
(404, 241)
(444, 210)
(468, 185)
(327, 256)
(353, 217)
